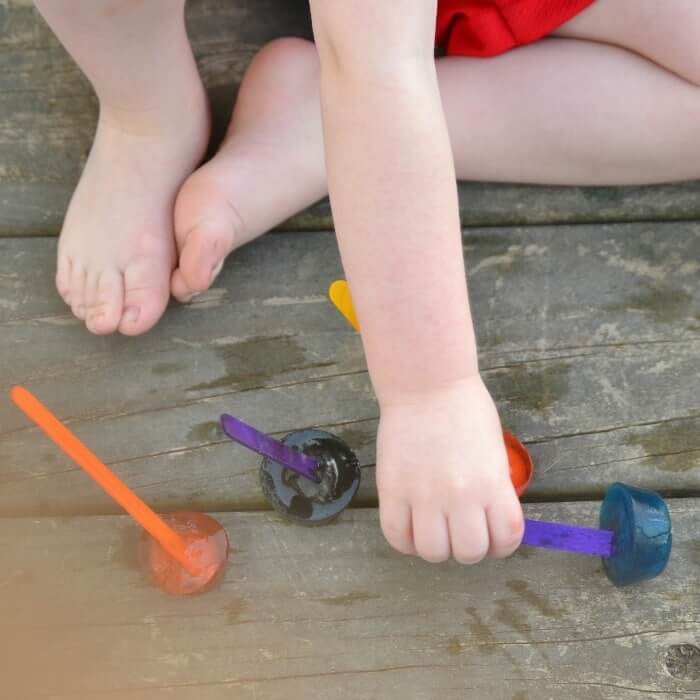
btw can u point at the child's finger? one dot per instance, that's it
(469, 535)
(506, 524)
(395, 520)
(431, 535)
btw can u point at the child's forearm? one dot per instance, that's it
(392, 185)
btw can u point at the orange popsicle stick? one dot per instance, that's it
(105, 477)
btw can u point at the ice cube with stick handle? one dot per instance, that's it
(310, 477)
(183, 553)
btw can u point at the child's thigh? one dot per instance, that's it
(665, 31)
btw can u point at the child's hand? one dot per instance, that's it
(443, 476)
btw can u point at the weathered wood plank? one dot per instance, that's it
(48, 113)
(589, 342)
(306, 613)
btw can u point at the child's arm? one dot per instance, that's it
(442, 471)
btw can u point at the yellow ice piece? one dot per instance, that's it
(339, 293)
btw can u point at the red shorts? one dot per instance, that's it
(490, 27)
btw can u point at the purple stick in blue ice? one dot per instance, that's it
(266, 446)
(569, 538)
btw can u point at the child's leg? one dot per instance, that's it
(116, 250)
(270, 166)
(564, 111)
(583, 110)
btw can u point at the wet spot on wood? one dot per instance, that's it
(533, 386)
(682, 661)
(210, 431)
(540, 602)
(481, 632)
(165, 369)
(661, 302)
(349, 599)
(510, 616)
(455, 646)
(234, 609)
(10, 281)
(520, 695)
(250, 363)
(671, 446)
(486, 643)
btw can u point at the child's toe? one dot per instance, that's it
(105, 299)
(179, 288)
(203, 253)
(63, 277)
(146, 293)
(77, 290)
(205, 230)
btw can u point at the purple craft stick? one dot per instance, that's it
(266, 446)
(569, 538)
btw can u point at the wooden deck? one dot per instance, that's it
(588, 314)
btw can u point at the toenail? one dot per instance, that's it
(190, 297)
(131, 315)
(215, 271)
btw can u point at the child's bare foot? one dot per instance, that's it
(270, 166)
(117, 248)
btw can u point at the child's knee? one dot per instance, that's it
(288, 55)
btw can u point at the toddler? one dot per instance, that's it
(580, 92)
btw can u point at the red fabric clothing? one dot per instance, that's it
(490, 27)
